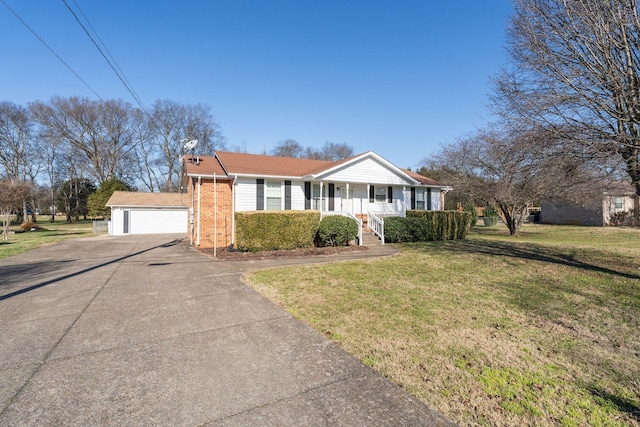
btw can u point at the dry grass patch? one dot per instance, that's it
(540, 330)
(51, 232)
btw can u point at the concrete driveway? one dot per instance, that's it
(144, 330)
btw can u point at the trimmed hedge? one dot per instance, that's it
(337, 230)
(420, 226)
(276, 230)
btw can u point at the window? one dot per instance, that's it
(315, 194)
(420, 198)
(619, 203)
(381, 194)
(274, 196)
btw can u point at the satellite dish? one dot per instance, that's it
(189, 145)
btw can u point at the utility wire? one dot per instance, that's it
(129, 89)
(105, 47)
(51, 50)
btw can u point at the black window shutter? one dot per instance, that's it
(307, 195)
(389, 194)
(332, 196)
(260, 194)
(372, 194)
(428, 199)
(287, 195)
(413, 198)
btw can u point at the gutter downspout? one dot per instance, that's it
(193, 191)
(199, 185)
(233, 211)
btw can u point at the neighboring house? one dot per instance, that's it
(226, 183)
(615, 208)
(147, 213)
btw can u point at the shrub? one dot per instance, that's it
(337, 230)
(622, 218)
(490, 215)
(282, 230)
(471, 208)
(398, 229)
(427, 226)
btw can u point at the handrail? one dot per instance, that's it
(348, 215)
(376, 224)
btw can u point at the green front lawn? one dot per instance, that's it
(493, 330)
(59, 230)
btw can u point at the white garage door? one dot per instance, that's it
(155, 221)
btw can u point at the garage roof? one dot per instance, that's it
(141, 199)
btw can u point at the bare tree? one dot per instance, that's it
(13, 193)
(15, 139)
(514, 169)
(102, 132)
(576, 73)
(171, 123)
(329, 151)
(288, 148)
(18, 153)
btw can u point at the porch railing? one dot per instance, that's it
(348, 215)
(376, 224)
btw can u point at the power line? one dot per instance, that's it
(120, 75)
(51, 50)
(104, 46)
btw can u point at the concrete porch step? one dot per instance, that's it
(370, 239)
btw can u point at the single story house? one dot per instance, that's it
(360, 186)
(615, 208)
(147, 213)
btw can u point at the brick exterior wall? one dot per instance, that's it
(224, 195)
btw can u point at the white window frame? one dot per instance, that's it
(621, 203)
(421, 193)
(316, 199)
(380, 191)
(268, 196)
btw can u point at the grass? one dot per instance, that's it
(543, 329)
(53, 232)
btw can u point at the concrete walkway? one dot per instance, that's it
(144, 330)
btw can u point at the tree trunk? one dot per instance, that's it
(53, 205)
(513, 217)
(24, 211)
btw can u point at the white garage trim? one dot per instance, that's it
(147, 213)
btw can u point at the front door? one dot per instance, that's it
(347, 200)
(125, 222)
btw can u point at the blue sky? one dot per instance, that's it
(396, 77)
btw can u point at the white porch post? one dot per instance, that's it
(367, 196)
(321, 198)
(349, 206)
(404, 200)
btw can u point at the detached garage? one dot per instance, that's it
(147, 213)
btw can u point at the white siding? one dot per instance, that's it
(435, 199)
(116, 221)
(365, 171)
(246, 194)
(395, 207)
(297, 195)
